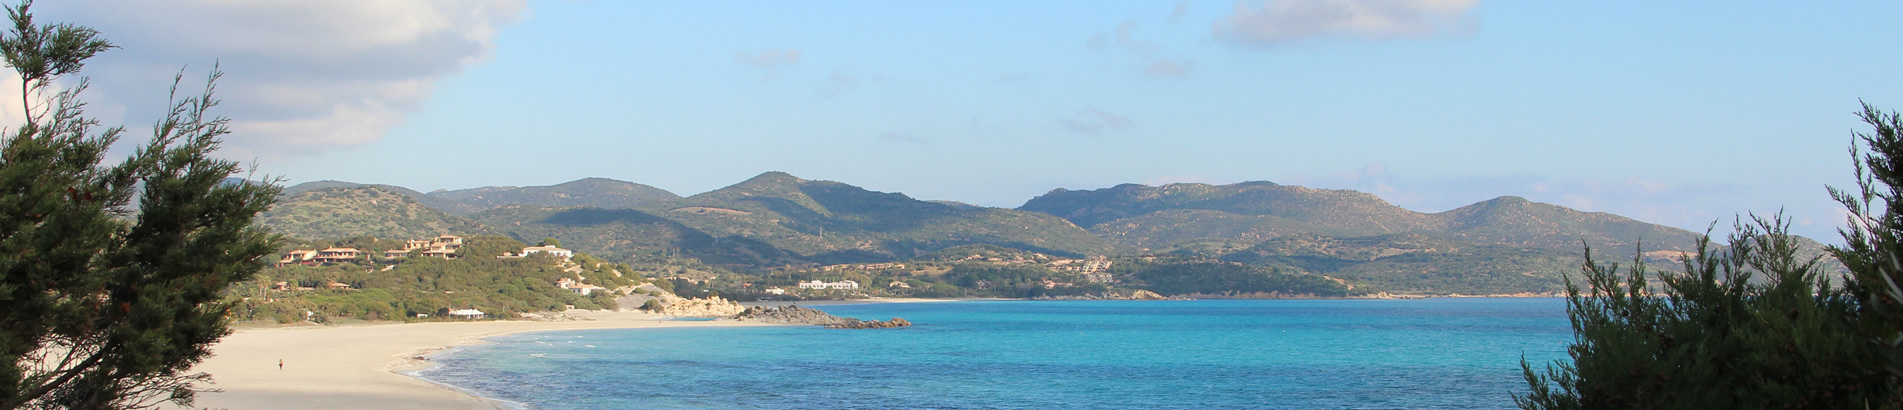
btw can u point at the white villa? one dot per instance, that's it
(466, 314)
(577, 287)
(332, 255)
(552, 251)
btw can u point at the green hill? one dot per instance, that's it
(624, 233)
(374, 288)
(1341, 211)
(339, 212)
(1158, 217)
(1511, 220)
(450, 206)
(1416, 263)
(831, 222)
(777, 222)
(587, 192)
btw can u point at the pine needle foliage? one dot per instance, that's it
(1751, 324)
(103, 305)
(1873, 239)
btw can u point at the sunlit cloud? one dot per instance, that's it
(1278, 22)
(1164, 68)
(1177, 13)
(1124, 38)
(302, 77)
(1093, 121)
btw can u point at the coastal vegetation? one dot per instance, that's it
(427, 288)
(1752, 324)
(1211, 278)
(103, 304)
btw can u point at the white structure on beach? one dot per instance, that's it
(816, 284)
(466, 314)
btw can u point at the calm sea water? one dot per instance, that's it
(1434, 353)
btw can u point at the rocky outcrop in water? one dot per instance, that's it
(871, 324)
(791, 314)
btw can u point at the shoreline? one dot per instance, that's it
(374, 365)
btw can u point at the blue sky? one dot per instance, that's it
(1679, 113)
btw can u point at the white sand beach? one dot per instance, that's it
(358, 366)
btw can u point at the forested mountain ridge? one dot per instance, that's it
(781, 223)
(1156, 217)
(628, 233)
(832, 222)
(361, 210)
(586, 192)
(590, 192)
(450, 206)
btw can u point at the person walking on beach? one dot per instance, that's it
(280, 364)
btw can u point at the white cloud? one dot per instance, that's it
(1278, 22)
(1164, 68)
(1092, 121)
(301, 76)
(1124, 37)
(840, 82)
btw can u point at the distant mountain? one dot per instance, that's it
(621, 233)
(453, 207)
(1158, 217)
(1512, 220)
(345, 211)
(587, 192)
(831, 222)
(1503, 245)
(1420, 263)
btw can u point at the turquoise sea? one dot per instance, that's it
(1432, 353)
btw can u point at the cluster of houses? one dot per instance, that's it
(444, 246)
(816, 284)
(1094, 269)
